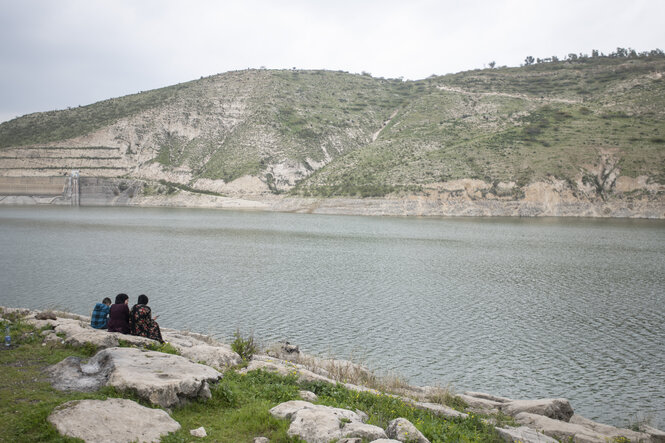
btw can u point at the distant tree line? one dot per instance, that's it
(619, 53)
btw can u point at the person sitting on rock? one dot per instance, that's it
(141, 321)
(119, 315)
(100, 314)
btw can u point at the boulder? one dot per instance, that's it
(403, 430)
(524, 434)
(481, 404)
(308, 396)
(163, 379)
(261, 440)
(202, 349)
(436, 408)
(112, 420)
(321, 424)
(560, 429)
(198, 432)
(555, 408)
(610, 432)
(284, 368)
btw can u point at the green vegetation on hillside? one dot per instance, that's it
(339, 134)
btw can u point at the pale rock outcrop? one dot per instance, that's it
(308, 396)
(113, 420)
(560, 429)
(321, 424)
(403, 430)
(657, 436)
(524, 434)
(555, 408)
(436, 408)
(261, 440)
(284, 368)
(163, 379)
(608, 431)
(202, 349)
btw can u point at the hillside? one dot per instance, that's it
(591, 129)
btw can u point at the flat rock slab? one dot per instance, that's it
(113, 420)
(524, 435)
(163, 379)
(202, 349)
(322, 424)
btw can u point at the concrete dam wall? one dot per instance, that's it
(66, 190)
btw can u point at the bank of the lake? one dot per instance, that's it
(522, 308)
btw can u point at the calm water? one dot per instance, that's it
(519, 308)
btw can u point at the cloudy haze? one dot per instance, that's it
(56, 54)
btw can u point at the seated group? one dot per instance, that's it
(118, 317)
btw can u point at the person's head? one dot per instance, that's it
(106, 301)
(143, 299)
(121, 298)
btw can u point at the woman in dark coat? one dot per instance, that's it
(119, 315)
(141, 321)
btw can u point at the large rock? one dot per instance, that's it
(437, 409)
(610, 432)
(555, 408)
(200, 348)
(283, 367)
(524, 434)
(560, 429)
(163, 379)
(113, 420)
(403, 430)
(321, 424)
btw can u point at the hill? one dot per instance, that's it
(589, 130)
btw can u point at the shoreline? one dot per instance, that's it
(554, 417)
(408, 206)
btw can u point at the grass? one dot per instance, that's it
(238, 410)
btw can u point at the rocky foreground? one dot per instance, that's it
(168, 381)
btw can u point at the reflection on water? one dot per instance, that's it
(519, 308)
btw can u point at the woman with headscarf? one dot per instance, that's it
(119, 315)
(141, 321)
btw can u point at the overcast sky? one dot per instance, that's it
(60, 53)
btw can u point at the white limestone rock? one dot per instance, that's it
(403, 430)
(610, 432)
(560, 429)
(308, 396)
(199, 432)
(555, 408)
(113, 420)
(321, 424)
(163, 379)
(524, 434)
(199, 348)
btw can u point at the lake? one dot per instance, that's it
(522, 308)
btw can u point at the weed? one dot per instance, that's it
(244, 346)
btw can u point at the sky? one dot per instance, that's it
(56, 54)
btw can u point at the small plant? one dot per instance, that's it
(244, 346)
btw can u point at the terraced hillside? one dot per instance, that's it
(590, 129)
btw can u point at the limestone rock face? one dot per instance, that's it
(403, 430)
(112, 420)
(321, 424)
(163, 379)
(560, 429)
(555, 408)
(202, 349)
(610, 432)
(524, 435)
